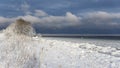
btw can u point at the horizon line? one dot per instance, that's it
(80, 34)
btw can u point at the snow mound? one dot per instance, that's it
(17, 48)
(20, 27)
(20, 49)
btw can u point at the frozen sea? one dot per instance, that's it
(22, 48)
(56, 52)
(105, 42)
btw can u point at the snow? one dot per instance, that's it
(22, 50)
(56, 54)
(61, 54)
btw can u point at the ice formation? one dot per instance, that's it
(20, 27)
(19, 48)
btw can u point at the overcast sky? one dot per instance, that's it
(64, 16)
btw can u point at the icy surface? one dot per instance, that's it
(54, 54)
(99, 42)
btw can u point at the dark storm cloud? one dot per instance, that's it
(91, 22)
(101, 19)
(75, 6)
(58, 7)
(98, 19)
(65, 16)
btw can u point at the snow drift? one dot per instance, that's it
(21, 48)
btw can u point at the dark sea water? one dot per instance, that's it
(99, 41)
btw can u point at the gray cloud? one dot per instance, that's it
(94, 14)
(46, 20)
(102, 19)
(4, 20)
(53, 21)
(99, 19)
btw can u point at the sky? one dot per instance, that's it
(64, 16)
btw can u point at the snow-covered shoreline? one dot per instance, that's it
(78, 55)
(20, 48)
(62, 54)
(90, 46)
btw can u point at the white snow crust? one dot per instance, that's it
(19, 49)
(37, 52)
